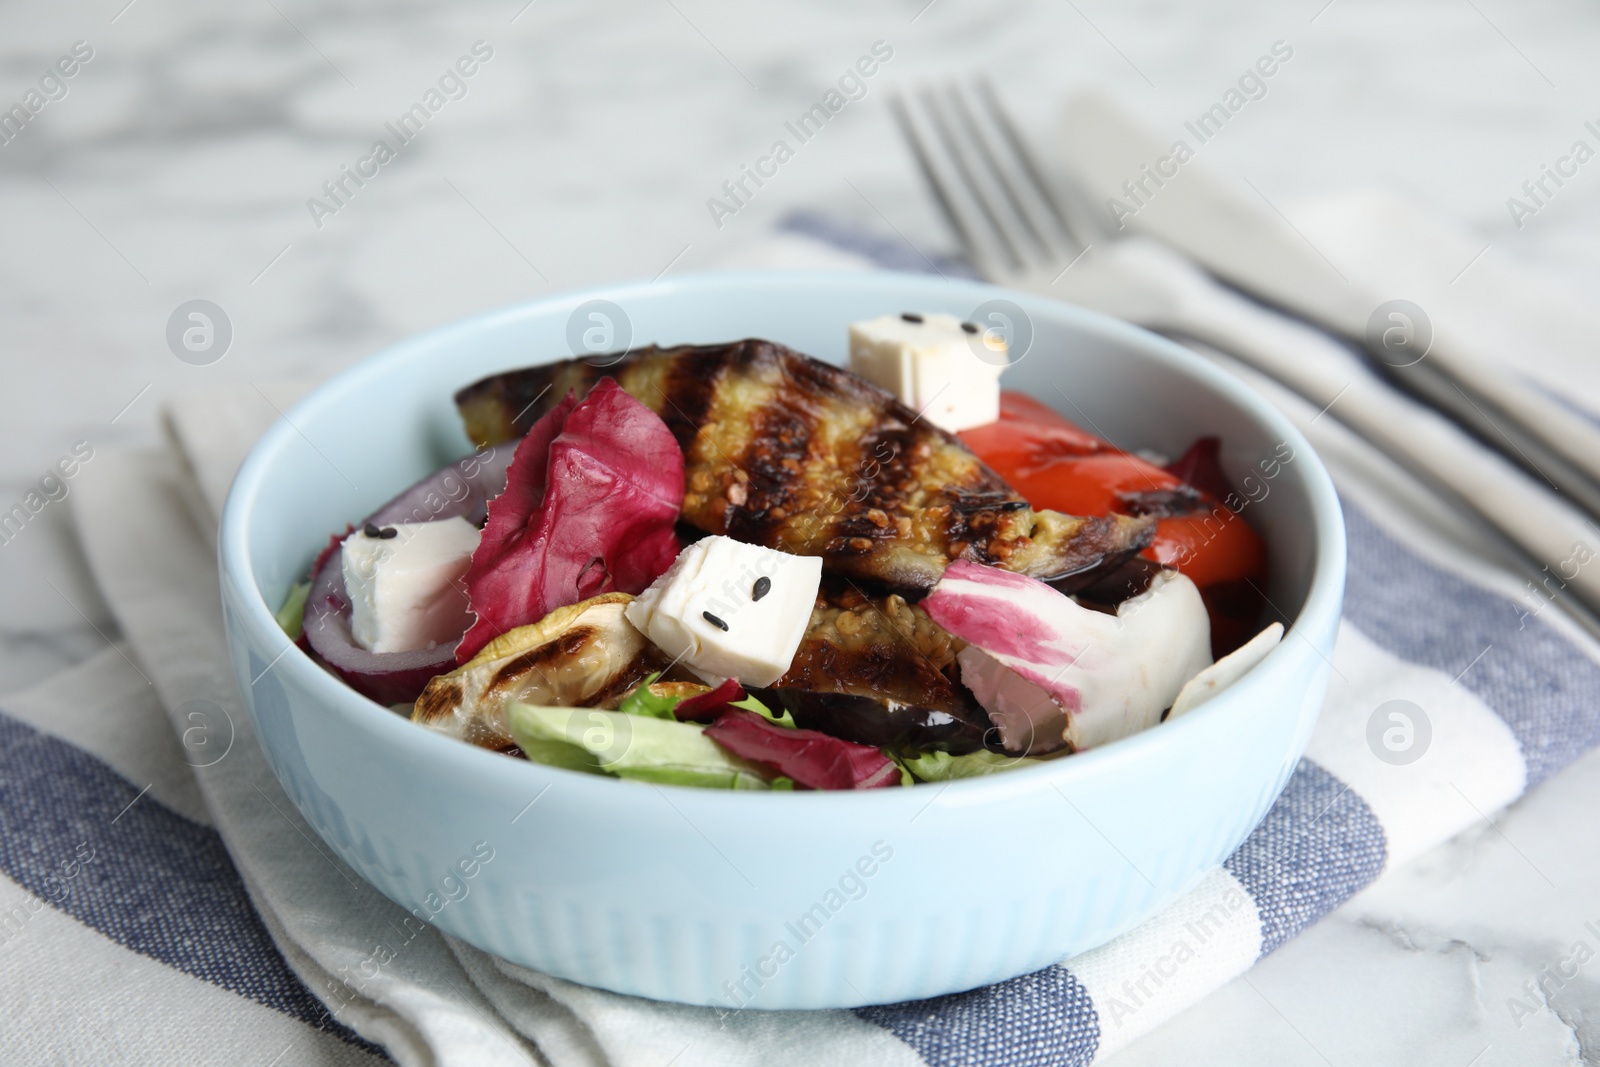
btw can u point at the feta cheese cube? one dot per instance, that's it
(730, 610)
(405, 589)
(932, 363)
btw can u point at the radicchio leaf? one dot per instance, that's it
(813, 760)
(1201, 467)
(591, 499)
(703, 707)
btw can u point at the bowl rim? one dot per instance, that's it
(1322, 601)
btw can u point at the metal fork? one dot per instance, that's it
(1020, 231)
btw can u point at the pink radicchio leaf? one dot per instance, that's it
(703, 707)
(591, 499)
(812, 759)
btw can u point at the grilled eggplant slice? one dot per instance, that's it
(789, 452)
(879, 671)
(584, 655)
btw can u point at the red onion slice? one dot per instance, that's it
(462, 488)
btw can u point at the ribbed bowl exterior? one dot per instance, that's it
(770, 900)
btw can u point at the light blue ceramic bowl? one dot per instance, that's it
(780, 900)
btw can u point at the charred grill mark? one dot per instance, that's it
(438, 700)
(967, 503)
(977, 523)
(775, 461)
(1164, 503)
(569, 644)
(503, 407)
(875, 504)
(643, 666)
(691, 385)
(1100, 545)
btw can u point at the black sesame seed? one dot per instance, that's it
(371, 531)
(713, 620)
(763, 586)
(969, 327)
(909, 317)
(388, 532)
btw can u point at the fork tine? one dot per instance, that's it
(1077, 219)
(1006, 172)
(955, 150)
(961, 220)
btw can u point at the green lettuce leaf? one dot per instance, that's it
(906, 777)
(643, 702)
(634, 746)
(943, 767)
(559, 754)
(292, 615)
(750, 703)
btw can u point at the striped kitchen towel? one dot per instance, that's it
(166, 903)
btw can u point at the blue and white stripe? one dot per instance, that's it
(100, 876)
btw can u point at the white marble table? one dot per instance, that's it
(180, 160)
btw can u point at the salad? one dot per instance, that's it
(735, 566)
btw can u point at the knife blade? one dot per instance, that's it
(1245, 241)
